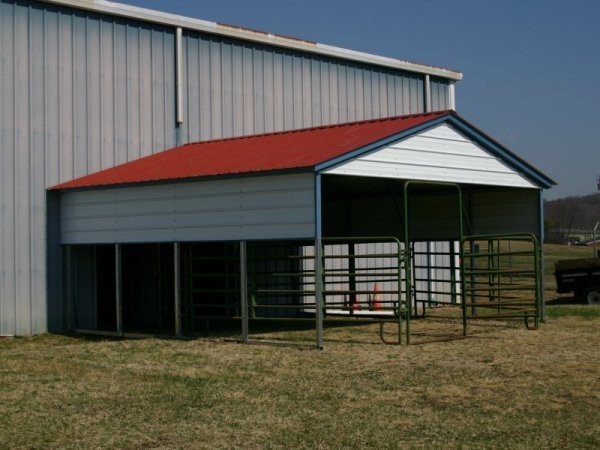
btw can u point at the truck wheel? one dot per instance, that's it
(591, 295)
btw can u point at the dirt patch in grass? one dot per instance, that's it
(502, 387)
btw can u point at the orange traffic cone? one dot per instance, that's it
(355, 302)
(376, 302)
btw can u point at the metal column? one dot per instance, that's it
(319, 291)
(178, 75)
(451, 96)
(319, 299)
(542, 288)
(427, 83)
(407, 265)
(244, 290)
(69, 287)
(118, 290)
(177, 289)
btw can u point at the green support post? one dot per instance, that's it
(452, 273)
(118, 290)
(400, 259)
(319, 297)
(463, 288)
(177, 289)
(244, 291)
(538, 289)
(407, 263)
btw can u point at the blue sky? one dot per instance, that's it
(531, 67)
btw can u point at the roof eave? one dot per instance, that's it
(523, 167)
(63, 187)
(149, 15)
(533, 174)
(382, 142)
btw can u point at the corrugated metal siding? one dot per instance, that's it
(375, 216)
(268, 207)
(79, 92)
(440, 94)
(233, 88)
(505, 211)
(433, 216)
(439, 154)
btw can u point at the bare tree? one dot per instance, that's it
(565, 215)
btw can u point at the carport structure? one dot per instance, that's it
(377, 220)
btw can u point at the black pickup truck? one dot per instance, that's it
(581, 276)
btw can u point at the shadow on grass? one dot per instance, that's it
(429, 329)
(223, 329)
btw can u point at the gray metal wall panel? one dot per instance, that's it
(23, 136)
(440, 96)
(80, 92)
(55, 307)
(232, 88)
(268, 207)
(7, 132)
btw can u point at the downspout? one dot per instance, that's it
(427, 94)
(178, 84)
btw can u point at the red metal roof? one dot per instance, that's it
(298, 149)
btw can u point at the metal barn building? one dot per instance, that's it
(309, 167)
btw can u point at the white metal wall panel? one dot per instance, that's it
(268, 207)
(438, 154)
(79, 92)
(435, 271)
(505, 211)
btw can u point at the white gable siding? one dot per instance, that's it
(438, 154)
(268, 207)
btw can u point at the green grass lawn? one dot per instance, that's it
(552, 253)
(503, 386)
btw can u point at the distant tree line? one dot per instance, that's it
(570, 219)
